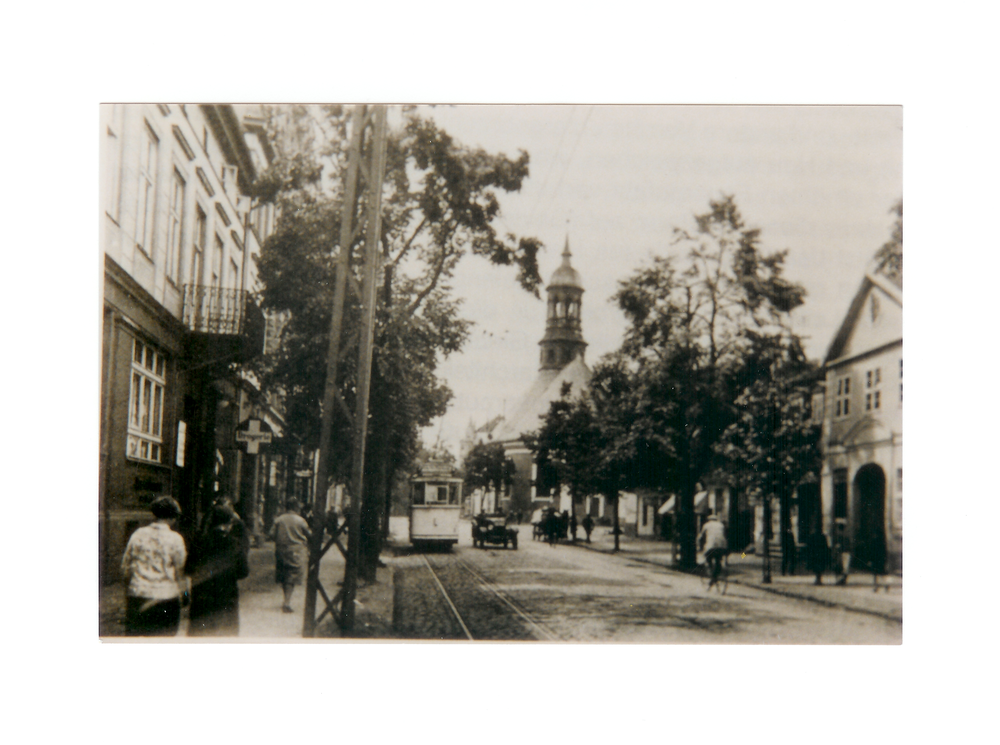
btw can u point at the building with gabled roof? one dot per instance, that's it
(862, 476)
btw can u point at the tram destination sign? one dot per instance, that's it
(254, 433)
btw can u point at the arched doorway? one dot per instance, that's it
(869, 518)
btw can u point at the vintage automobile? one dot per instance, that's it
(493, 530)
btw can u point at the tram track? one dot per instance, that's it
(447, 597)
(483, 618)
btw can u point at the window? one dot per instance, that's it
(113, 159)
(145, 404)
(873, 396)
(200, 238)
(147, 191)
(175, 227)
(234, 273)
(217, 262)
(842, 401)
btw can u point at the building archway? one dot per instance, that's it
(869, 518)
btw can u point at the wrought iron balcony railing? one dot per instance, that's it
(216, 310)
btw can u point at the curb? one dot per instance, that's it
(737, 581)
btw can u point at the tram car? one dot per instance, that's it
(435, 502)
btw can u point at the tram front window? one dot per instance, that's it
(452, 493)
(418, 493)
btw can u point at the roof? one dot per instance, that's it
(544, 390)
(566, 275)
(871, 280)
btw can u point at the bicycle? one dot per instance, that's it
(721, 580)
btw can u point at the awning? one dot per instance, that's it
(666, 507)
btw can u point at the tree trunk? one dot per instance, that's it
(616, 530)
(687, 529)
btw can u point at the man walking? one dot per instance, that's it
(291, 551)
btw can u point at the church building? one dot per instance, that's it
(561, 361)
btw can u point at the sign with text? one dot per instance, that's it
(254, 433)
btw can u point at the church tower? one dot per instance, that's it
(563, 338)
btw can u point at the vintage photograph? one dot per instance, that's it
(526, 373)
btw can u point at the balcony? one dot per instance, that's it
(226, 325)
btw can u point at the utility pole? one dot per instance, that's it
(366, 158)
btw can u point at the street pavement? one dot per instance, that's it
(859, 594)
(261, 617)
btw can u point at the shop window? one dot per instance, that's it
(146, 402)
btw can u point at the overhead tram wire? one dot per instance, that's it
(569, 160)
(552, 165)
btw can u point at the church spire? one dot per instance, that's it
(563, 340)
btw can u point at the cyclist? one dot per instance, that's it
(713, 540)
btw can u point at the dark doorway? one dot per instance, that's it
(869, 532)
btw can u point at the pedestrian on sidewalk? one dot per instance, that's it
(291, 551)
(588, 526)
(842, 551)
(218, 560)
(789, 553)
(573, 526)
(817, 554)
(153, 566)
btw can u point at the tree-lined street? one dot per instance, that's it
(569, 593)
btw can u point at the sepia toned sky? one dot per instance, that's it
(819, 182)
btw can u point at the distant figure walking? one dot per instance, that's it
(817, 555)
(218, 561)
(153, 566)
(291, 551)
(572, 526)
(588, 526)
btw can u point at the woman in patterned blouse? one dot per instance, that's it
(153, 566)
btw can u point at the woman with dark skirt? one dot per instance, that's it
(153, 567)
(218, 561)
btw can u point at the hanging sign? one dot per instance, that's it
(254, 433)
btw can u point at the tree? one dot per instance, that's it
(773, 445)
(440, 200)
(689, 318)
(889, 258)
(566, 442)
(486, 466)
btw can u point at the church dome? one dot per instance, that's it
(566, 275)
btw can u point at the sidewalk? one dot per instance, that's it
(261, 617)
(857, 595)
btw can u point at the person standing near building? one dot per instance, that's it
(789, 552)
(817, 554)
(842, 551)
(218, 559)
(588, 526)
(291, 551)
(153, 566)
